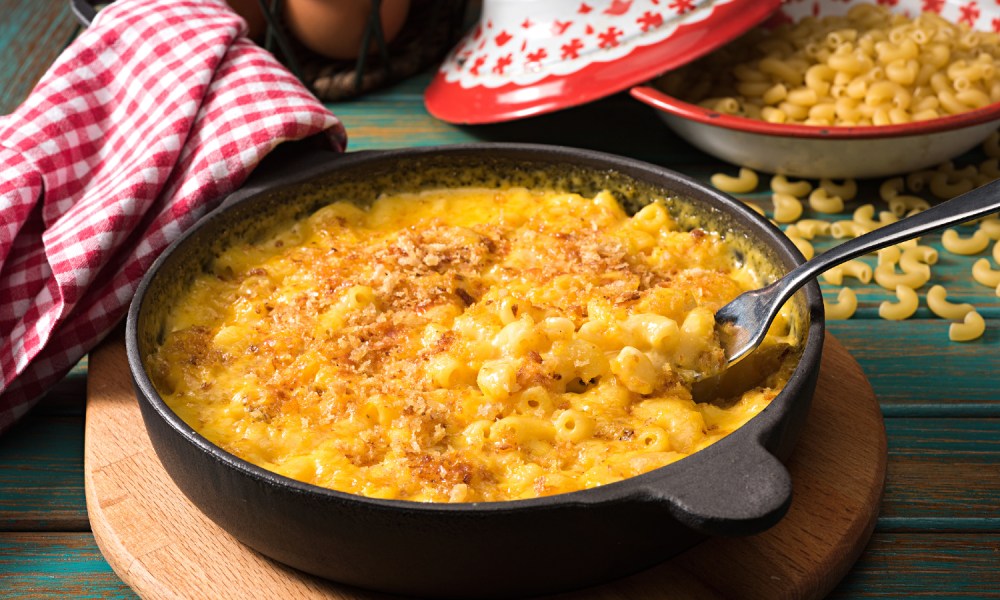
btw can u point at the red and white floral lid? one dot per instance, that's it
(528, 57)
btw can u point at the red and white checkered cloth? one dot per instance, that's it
(143, 124)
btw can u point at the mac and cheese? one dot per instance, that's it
(461, 345)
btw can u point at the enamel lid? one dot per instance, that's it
(526, 57)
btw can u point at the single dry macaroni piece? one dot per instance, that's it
(902, 204)
(864, 216)
(744, 183)
(462, 345)
(845, 191)
(887, 277)
(848, 229)
(852, 268)
(939, 305)
(917, 181)
(971, 328)
(821, 201)
(889, 255)
(787, 207)
(844, 307)
(956, 244)
(917, 254)
(949, 185)
(804, 246)
(904, 308)
(868, 67)
(799, 189)
(991, 227)
(810, 228)
(984, 274)
(890, 188)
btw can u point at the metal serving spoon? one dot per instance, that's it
(742, 323)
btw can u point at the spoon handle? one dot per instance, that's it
(970, 205)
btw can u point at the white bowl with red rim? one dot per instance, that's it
(526, 57)
(837, 152)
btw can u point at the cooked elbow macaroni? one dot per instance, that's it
(461, 345)
(868, 67)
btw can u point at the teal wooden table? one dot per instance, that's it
(938, 533)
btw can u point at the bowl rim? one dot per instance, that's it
(673, 106)
(633, 487)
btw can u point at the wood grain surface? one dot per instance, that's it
(32, 34)
(161, 545)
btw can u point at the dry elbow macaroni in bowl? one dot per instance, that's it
(461, 345)
(868, 67)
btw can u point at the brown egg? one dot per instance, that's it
(250, 11)
(335, 28)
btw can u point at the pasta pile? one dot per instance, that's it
(902, 269)
(868, 67)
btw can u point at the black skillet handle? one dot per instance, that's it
(728, 493)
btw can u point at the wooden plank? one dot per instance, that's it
(943, 474)
(41, 476)
(616, 124)
(894, 565)
(56, 565)
(32, 34)
(916, 371)
(940, 566)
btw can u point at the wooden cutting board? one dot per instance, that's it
(163, 547)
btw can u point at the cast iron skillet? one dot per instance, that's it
(496, 549)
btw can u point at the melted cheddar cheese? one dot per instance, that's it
(460, 345)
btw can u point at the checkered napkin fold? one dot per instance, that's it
(143, 124)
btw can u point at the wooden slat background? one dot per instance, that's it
(938, 534)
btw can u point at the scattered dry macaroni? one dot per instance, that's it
(799, 189)
(787, 207)
(852, 268)
(744, 183)
(868, 67)
(904, 204)
(887, 277)
(991, 227)
(821, 201)
(844, 307)
(971, 328)
(956, 244)
(984, 274)
(903, 308)
(461, 345)
(845, 191)
(939, 305)
(810, 228)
